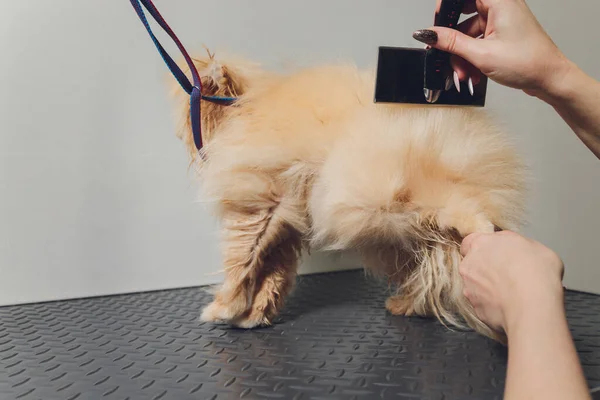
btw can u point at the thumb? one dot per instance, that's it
(467, 243)
(452, 41)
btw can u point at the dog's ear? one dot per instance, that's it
(220, 77)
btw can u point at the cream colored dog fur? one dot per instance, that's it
(308, 159)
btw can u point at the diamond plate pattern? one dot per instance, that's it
(334, 340)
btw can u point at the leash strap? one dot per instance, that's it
(194, 88)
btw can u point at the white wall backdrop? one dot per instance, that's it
(95, 194)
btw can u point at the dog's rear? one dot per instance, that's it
(404, 186)
(310, 157)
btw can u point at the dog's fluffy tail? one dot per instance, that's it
(434, 285)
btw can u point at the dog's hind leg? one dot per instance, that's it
(394, 264)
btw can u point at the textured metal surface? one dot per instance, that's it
(334, 340)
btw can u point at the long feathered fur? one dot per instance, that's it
(308, 159)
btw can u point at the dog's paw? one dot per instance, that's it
(261, 313)
(219, 312)
(253, 319)
(399, 305)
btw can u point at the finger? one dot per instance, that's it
(482, 7)
(465, 70)
(463, 270)
(470, 7)
(473, 26)
(452, 41)
(467, 244)
(472, 298)
(467, 295)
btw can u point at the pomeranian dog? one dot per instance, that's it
(307, 159)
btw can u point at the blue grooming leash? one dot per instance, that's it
(193, 89)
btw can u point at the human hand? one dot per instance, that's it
(507, 276)
(504, 41)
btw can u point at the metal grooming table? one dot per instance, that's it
(334, 340)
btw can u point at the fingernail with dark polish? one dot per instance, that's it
(426, 36)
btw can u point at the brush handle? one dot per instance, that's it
(449, 13)
(437, 61)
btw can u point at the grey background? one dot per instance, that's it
(95, 192)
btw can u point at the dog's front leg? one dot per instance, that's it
(260, 257)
